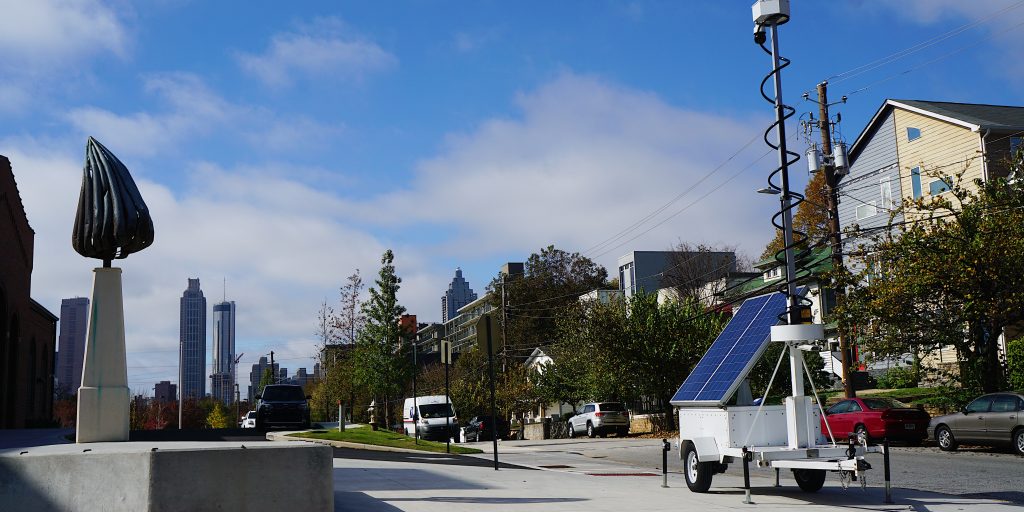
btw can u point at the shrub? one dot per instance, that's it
(951, 399)
(898, 378)
(1015, 363)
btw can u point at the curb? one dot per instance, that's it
(275, 436)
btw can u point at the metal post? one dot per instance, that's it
(494, 412)
(415, 410)
(341, 417)
(746, 477)
(664, 462)
(885, 463)
(447, 413)
(777, 478)
(273, 370)
(238, 400)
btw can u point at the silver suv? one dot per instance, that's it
(600, 418)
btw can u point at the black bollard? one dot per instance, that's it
(746, 476)
(664, 462)
(885, 464)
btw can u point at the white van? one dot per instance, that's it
(435, 418)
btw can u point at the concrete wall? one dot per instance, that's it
(132, 477)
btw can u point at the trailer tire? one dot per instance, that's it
(698, 474)
(809, 480)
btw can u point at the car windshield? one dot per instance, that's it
(251, 414)
(283, 394)
(436, 411)
(612, 406)
(885, 403)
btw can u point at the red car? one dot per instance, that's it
(879, 418)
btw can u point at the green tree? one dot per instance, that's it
(218, 416)
(951, 274)
(553, 279)
(628, 349)
(1015, 363)
(266, 379)
(380, 364)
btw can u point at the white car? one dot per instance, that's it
(600, 418)
(250, 420)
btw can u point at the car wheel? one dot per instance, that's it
(698, 474)
(809, 480)
(590, 430)
(571, 431)
(944, 437)
(261, 426)
(1018, 441)
(862, 430)
(623, 432)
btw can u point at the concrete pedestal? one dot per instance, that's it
(103, 399)
(168, 477)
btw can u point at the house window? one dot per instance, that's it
(866, 210)
(886, 189)
(915, 181)
(913, 133)
(773, 274)
(937, 187)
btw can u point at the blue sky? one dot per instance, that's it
(280, 147)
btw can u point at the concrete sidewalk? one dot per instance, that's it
(550, 481)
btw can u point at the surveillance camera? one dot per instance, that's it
(759, 36)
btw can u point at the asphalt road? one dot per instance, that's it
(977, 472)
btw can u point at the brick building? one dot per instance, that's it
(28, 332)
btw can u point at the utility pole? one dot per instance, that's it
(504, 323)
(273, 370)
(824, 125)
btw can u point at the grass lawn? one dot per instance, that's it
(366, 435)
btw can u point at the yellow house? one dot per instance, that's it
(913, 149)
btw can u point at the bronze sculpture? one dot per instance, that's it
(112, 220)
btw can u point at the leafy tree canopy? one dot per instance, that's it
(952, 273)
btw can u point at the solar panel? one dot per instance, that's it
(716, 377)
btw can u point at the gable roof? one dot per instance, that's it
(973, 116)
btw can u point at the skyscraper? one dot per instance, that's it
(223, 376)
(192, 351)
(74, 318)
(164, 391)
(459, 294)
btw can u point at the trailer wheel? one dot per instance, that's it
(809, 480)
(698, 474)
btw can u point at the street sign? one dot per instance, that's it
(446, 352)
(483, 325)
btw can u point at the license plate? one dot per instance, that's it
(909, 426)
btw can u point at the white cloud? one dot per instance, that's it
(192, 111)
(584, 160)
(326, 51)
(54, 31)
(281, 254)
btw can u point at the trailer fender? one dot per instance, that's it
(707, 449)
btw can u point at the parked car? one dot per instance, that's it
(249, 420)
(600, 418)
(878, 418)
(479, 428)
(282, 405)
(989, 420)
